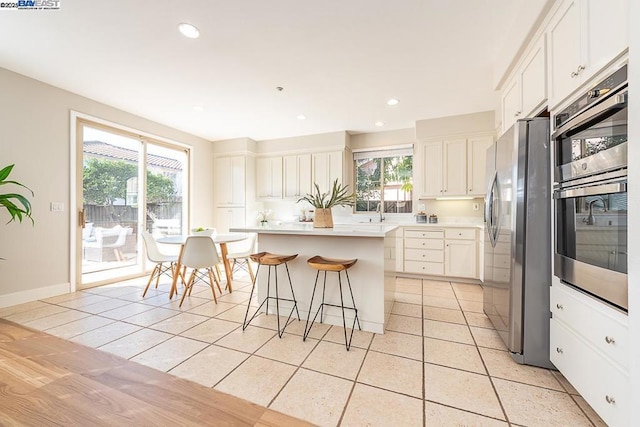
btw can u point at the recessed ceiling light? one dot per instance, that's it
(379, 124)
(301, 117)
(189, 30)
(393, 101)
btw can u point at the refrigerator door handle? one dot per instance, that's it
(492, 228)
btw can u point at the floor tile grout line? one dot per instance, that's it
(493, 386)
(355, 381)
(573, 398)
(298, 367)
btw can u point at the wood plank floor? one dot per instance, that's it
(45, 380)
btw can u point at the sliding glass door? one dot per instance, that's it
(128, 184)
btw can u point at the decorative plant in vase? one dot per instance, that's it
(16, 204)
(263, 217)
(323, 202)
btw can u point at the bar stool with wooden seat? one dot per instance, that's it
(338, 265)
(272, 261)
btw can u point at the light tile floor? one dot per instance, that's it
(440, 363)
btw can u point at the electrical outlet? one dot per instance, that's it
(57, 206)
(476, 207)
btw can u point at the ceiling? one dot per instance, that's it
(338, 61)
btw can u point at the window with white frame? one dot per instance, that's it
(384, 180)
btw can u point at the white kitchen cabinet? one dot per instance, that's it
(477, 165)
(297, 175)
(527, 91)
(230, 217)
(441, 252)
(433, 161)
(461, 253)
(424, 251)
(230, 180)
(445, 168)
(269, 177)
(579, 44)
(590, 346)
(326, 168)
(533, 79)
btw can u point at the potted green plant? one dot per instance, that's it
(323, 202)
(16, 204)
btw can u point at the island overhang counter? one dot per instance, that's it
(372, 277)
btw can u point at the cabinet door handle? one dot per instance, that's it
(574, 74)
(559, 350)
(610, 340)
(610, 399)
(580, 69)
(517, 114)
(559, 306)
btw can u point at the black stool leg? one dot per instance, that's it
(347, 343)
(293, 295)
(307, 328)
(353, 301)
(253, 287)
(278, 305)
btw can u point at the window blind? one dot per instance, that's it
(405, 150)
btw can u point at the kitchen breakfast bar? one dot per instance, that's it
(372, 277)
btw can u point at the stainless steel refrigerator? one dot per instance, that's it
(517, 246)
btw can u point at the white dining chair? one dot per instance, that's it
(155, 255)
(239, 255)
(200, 253)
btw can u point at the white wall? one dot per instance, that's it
(35, 135)
(383, 139)
(318, 142)
(464, 124)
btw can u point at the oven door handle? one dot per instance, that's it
(618, 187)
(615, 102)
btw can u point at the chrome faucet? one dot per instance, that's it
(591, 219)
(379, 210)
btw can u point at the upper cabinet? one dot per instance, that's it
(526, 92)
(326, 168)
(453, 167)
(230, 173)
(445, 168)
(269, 177)
(584, 36)
(297, 175)
(477, 165)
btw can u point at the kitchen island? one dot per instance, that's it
(372, 277)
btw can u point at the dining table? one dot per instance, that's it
(221, 239)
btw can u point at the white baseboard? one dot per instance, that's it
(34, 294)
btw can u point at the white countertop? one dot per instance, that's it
(338, 230)
(444, 225)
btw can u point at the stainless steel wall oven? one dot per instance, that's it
(590, 191)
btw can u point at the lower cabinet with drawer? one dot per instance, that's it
(589, 345)
(441, 252)
(424, 251)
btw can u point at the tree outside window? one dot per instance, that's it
(385, 181)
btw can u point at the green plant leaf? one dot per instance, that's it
(16, 204)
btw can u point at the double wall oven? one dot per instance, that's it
(590, 191)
